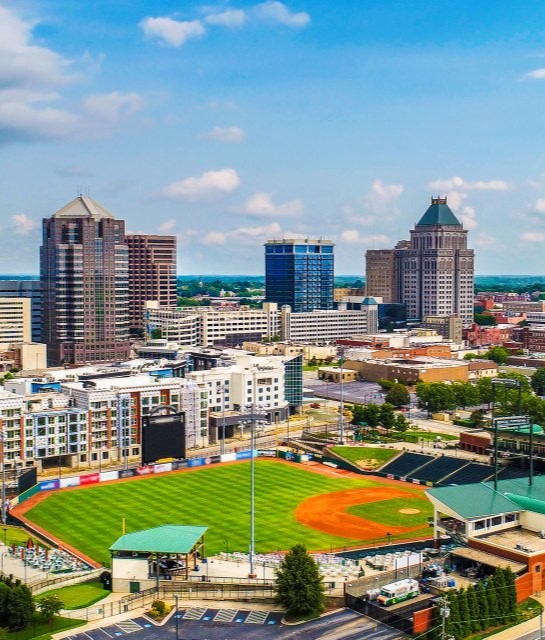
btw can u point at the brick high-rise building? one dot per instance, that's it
(152, 274)
(433, 272)
(380, 280)
(84, 271)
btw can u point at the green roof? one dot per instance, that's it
(480, 499)
(438, 213)
(170, 538)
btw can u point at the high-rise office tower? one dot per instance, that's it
(433, 272)
(152, 274)
(299, 273)
(84, 271)
(26, 289)
(380, 280)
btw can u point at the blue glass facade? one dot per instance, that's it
(300, 273)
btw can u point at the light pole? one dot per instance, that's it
(341, 398)
(253, 421)
(507, 383)
(176, 616)
(222, 441)
(3, 478)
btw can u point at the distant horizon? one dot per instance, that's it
(34, 276)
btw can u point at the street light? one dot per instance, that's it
(222, 441)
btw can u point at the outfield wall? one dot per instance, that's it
(146, 470)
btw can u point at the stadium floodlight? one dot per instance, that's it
(256, 418)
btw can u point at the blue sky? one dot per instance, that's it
(230, 123)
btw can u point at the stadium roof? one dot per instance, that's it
(170, 538)
(481, 499)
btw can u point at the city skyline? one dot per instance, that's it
(232, 123)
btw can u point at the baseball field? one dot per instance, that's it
(318, 506)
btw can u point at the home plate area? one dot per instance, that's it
(241, 616)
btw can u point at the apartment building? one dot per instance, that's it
(31, 289)
(15, 321)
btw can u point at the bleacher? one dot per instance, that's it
(510, 473)
(405, 464)
(439, 468)
(472, 472)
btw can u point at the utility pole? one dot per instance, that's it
(341, 398)
(444, 612)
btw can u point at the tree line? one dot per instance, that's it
(489, 603)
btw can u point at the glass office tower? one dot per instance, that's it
(299, 272)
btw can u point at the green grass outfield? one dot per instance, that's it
(216, 496)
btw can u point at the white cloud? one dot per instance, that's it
(532, 236)
(459, 183)
(29, 77)
(225, 134)
(208, 185)
(243, 235)
(535, 74)
(485, 240)
(173, 32)
(23, 225)
(113, 106)
(352, 236)
(260, 204)
(167, 226)
(467, 217)
(214, 238)
(539, 205)
(228, 18)
(278, 13)
(379, 205)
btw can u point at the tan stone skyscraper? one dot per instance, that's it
(433, 273)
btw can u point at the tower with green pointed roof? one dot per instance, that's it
(432, 274)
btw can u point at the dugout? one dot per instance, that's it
(143, 558)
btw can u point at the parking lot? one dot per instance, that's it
(199, 623)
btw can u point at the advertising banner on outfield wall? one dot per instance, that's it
(267, 453)
(162, 468)
(244, 455)
(179, 464)
(127, 473)
(144, 471)
(214, 459)
(196, 462)
(108, 475)
(228, 457)
(91, 478)
(69, 482)
(48, 485)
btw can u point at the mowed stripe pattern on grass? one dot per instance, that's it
(217, 497)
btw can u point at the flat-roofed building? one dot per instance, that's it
(15, 320)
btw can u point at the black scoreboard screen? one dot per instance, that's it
(163, 436)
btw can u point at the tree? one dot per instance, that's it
(498, 580)
(466, 394)
(299, 583)
(473, 607)
(385, 384)
(435, 396)
(492, 599)
(484, 320)
(398, 395)
(484, 616)
(371, 415)
(538, 382)
(156, 334)
(387, 415)
(19, 607)
(498, 354)
(50, 606)
(477, 418)
(511, 590)
(463, 606)
(401, 423)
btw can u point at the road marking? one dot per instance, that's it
(225, 615)
(129, 626)
(195, 613)
(101, 629)
(257, 617)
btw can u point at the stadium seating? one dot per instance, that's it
(406, 463)
(443, 466)
(509, 473)
(472, 472)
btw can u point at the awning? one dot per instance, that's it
(489, 559)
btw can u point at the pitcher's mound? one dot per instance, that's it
(409, 512)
